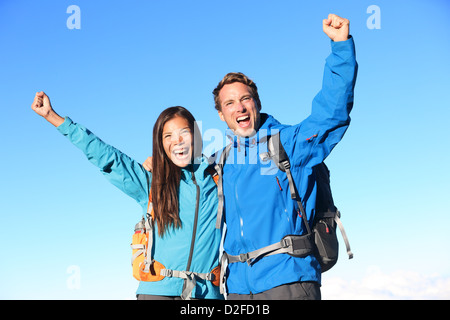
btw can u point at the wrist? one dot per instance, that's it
(339, 39)
(54, 118)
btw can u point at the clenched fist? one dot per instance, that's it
(42, 106)
(336, 28)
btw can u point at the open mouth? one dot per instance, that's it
(243, 121)
(181, 153)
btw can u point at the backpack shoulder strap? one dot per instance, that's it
(150, 212)
(279, 156)
(219, 168)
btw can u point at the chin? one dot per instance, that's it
(245, 132)
(181, 164)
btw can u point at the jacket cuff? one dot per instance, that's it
(344, 49)
(64, 127)
(343, 45)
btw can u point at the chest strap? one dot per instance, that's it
(297, 246)
(190, 278)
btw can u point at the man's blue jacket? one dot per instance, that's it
(258, 207)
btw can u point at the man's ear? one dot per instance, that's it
(221, 115)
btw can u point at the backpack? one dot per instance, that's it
(327, 216)
(321, 240)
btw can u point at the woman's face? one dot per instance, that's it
(177, 141)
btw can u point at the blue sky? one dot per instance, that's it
(65, 231)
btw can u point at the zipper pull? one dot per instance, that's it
(279, 185)
(312, 137)
(327, 230)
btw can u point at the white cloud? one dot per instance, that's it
(400, 285)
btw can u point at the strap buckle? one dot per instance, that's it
(286, 243)
(243, 257)
(168, 272)
(286, 164)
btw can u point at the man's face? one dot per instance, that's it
(239, 109)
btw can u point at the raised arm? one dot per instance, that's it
(332, 105)
(125, 173)
(330, 114)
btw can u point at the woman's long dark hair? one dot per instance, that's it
(165, 174)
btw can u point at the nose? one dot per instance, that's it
(240, 107)
(176, 138)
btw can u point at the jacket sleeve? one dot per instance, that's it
(125, 173)
(330, 115)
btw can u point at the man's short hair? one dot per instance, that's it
(236, 77)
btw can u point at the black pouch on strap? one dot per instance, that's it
(326, 241)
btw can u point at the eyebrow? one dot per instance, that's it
(227, 101)
(243, 96)
(168, 132)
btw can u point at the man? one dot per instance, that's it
(258, 208)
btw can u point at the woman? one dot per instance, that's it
(183, 193)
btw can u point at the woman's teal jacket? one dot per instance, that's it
(173, 249)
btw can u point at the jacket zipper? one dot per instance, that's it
(194, 231)
(241, 220)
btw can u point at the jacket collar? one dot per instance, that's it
(198, 168)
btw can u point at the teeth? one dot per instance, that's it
(179, 151)
(241, 118)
